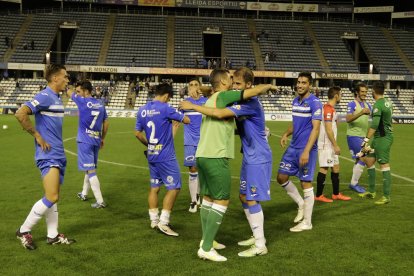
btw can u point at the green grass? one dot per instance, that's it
(353, 237)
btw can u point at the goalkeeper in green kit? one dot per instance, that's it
(381, 130)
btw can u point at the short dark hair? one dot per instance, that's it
(245, 73)
(53, 69)
(85, 84)
(334, 90)
(307, 75)
(359, 85)
(164, 88)
(378, 87)
(194, 79)
(216, 75)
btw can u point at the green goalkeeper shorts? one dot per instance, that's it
(382, 147)
(214, 176)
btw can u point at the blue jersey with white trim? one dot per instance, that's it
(92, 114)
(303, 112)
(155, 118)
(251, 126)
(47, 108)
(192, 130)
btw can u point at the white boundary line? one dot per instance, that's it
(233, 177)
(351, 160)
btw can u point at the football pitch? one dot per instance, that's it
(355, 237)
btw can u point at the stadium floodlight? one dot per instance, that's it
(48, 57)
(371, 68)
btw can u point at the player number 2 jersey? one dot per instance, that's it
(92, 114)
(329, 115)
(155, 118)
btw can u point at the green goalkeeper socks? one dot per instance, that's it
(371, 179)
(204, 211)
(214, 220)
(386, 183)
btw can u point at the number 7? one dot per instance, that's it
(96, 114)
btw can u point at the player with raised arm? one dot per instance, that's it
(357, 118)
(155, 119)
(328, 148)
(381, 130)
(215, 149)
(48, 111)
(93, 127)
(191, 138)
(300, 157)
(256, 170)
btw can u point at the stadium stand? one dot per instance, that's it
(10, 25)
(334, 48)
(42, 31)
(286, 40)
(141, 41)
(15, 94)
(379, 50)
(189, 40)
(140, 37)
(86, 44)
(280, 102)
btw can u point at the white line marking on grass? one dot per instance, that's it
(233, 177)
(351, 160)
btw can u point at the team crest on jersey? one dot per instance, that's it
(35, 103)
(375, 110)
(170, 179)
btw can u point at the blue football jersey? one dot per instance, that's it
(92, 114)
(155, 118)
(251, 126)
(192, 130)
(47, 108)
(303, 112)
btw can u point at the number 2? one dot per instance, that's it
(152, 140)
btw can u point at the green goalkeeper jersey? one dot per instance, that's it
(217, 136)
(382, 118)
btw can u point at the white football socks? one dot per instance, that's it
(293, 192)
(356, 173)
(165, 217)
(309, 199)
(37, 212)
(86, 185)
(154, 214)
(52, 219)
(257, 219)
(193, 186)
(96, 187)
